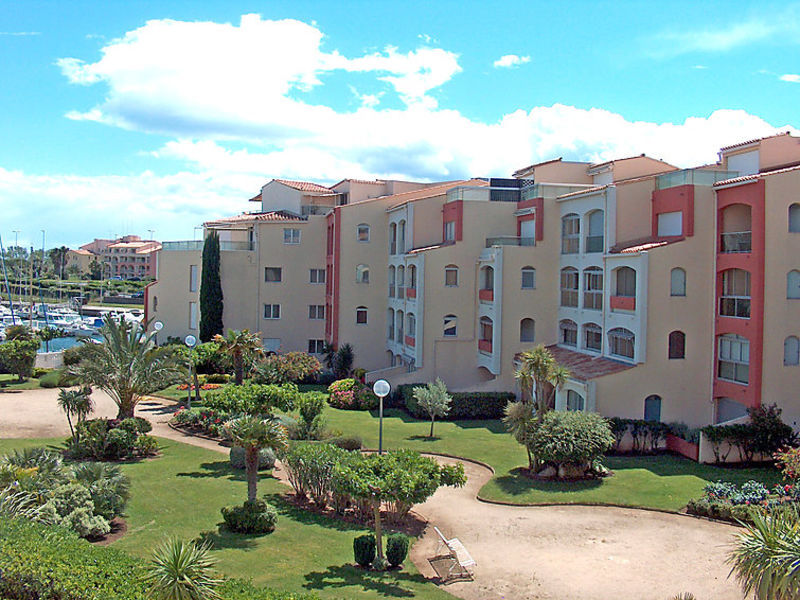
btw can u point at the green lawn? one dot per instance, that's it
(173, 393)
(181, 493)
(664, 482)
(9, 382)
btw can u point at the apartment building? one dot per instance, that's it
(126, 257)
(669, 294)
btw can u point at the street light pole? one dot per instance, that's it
(381, 389)
(190, 342)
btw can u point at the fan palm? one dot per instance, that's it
(766, 559)
(239, 346)
(128, 365)
(47, 335)
(75, 403)
(253, 434)
(519, 420)
(538, 371)
(182, 571)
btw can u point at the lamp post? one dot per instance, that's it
(157, 326)
(190, 342)
(381, 389)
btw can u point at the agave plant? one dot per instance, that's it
(182, 570)
(17, 503)
(766, 559)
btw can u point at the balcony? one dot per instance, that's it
(594, 243)
(391, 291)
(510, 240)
(411, 293)
(194, 245)
(486, 295)
(734, 306)
(736, 242)
(410, 341)
(705, 177)
(400, 292)
(623, 303)
(485, 346)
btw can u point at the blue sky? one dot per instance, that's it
(122, 117)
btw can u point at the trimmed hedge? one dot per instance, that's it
(465, 405)
(51, 563)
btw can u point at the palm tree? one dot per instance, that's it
(538, 371)
(76, 403)
(182, 571)
(767, 555)
(47, 335)
(239, 346)
(253, 434)
(519, 420)
(128, 365)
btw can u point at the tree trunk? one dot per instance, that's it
(376, 508)
(431, 435)
(251, 462)
(238, 369)
(196, 386)
(71, 430)
(126, 408)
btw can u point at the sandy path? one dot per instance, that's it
(552, 553)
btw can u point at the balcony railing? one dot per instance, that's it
(623, 303)
(400, 291)
(734, 306)
(510, 240)
(188, 245)
(736, 241)
(485, 346)
(391, 291)
(410, 341)
(486, 295)
(411, 293)
(693, 177)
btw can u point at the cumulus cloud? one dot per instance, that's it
(790, 77)
(510, 60)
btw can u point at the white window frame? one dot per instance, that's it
(193, 277)
(272, 312)
(359, 311)
(568, 293)
(362, 228)
(453, 270)
(362, 274)
(450, 231)
(531, 273)
(566, 326)
(315, 274)
(593, 329)
(316, 346)
(193, 315)
(570, 234)
(316, 312)
(593, 288)
(620, 338)
(734, 350)
(291, 236)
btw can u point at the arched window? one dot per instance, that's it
(734, 358)
(361, 315)
(575, 401)
(621, 342)
(791, 351)
(411, 325)
(594, 233)
(677, 345)
(401, 241)
(401, 281)
(450, 326)
(592, 337)
(392, 238)
(412, 276)
(399, 322)
(568, 331)
(677, 282)
(487, 278)
(528, 278)
(735, 299)
(569, 287)
(652, 408)
(793, 284)
(593, 288)
(527, 330)
(391, 282)
(570, 234)
(626, 282)
(362, 274)
(362, 232)
(390, 324)
(794, 218)
(451, 276)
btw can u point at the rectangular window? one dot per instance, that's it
(273, 274)
(528, 279)
(316, 311)
(570, 234)
(316, 346)
(621, 345)
(569, 287)
(593, 289)
(192, 278)
(593, 338)
(734, 359)
(670, 223)
(450, 231)
(569, 335)
(316, 276)
(735, 300)
(291, 236)
(272, 311)
(192, 315)
(451, 277)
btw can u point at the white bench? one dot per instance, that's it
(458, 554)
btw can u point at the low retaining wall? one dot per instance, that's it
(49, 360)
(682, 447)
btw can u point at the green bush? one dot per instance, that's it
(251, 517)
(571, 437)
(351, 394)
(464, 405)
(351, 443)
(50, 380)
(291, 367)
(397, 549)
(253, 399)
(217, 378)
(309, 467)
(145, 445)
(18, 356)
(266, 458)
(111, 439)
(364, 549)
(74, 354)
(136, 425)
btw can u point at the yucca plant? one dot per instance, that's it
(766, 559)
(182, 570)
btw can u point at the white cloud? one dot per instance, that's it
(790, 77)
(700, 67)
(20, 33)
(510, 60)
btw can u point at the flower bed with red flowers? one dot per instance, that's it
(202, 420)
(204, 386)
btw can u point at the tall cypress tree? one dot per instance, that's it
(210, 290)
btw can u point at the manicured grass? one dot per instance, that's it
(173, 393)
(9, 382)
(664, 482)
(181, 493)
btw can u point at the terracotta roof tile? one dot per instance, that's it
(275, 215)
(585, 366)
(755, 176)
(366, 181)
(645, 243)
(306, 186)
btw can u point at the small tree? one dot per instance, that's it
(520, 422)
(47, 335)
(19, 357)
(211, 304)
(76, 403)
(95, 270)
(182, 571)
(240, 346)
(434, 400)
(254, 434)
(343, 361)
(540, 371)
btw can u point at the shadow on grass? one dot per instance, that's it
(222, 539)
(424, 438)
(668, 465)
(149, 407)
(516, 483)
(388, 584)
(219, 468)
(286, 508)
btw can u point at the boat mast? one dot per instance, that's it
(5, 277)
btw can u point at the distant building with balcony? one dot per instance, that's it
(126, 257)
(670, 294)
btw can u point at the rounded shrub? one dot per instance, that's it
(397, 549)
(352, 442)
(351, 394)
(136, 425)
(364, 549)
(119, 443)
(250, 517)
(50, 380)
(571, 438)
(266, 458)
